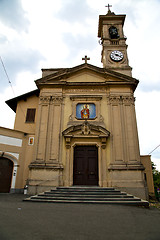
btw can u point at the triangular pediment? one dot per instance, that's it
(86, 129)
(85, 73)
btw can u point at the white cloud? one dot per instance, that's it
(13, 15)
(148, 119)
(7, 115)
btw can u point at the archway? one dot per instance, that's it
(6, 170)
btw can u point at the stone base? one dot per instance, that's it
(130, 181)
(34, 190)
(16, 190)
(137, 192)
(44, 178)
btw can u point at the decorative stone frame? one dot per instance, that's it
(85, 99)
(84, 135)
(12, 158)
(90, 118)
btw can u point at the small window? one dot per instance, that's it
(30, 117)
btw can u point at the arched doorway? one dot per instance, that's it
(6, 170)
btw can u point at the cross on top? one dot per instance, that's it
(108, 7)
(86, 58)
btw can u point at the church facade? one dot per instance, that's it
(79, 126)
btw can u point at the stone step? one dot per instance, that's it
(86, 192)
(86, 198)
(87, 195)
(81, 188)
(84, 189)
(131, 203)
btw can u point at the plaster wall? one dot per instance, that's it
(21, 111)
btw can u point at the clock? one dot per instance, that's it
(116, 56)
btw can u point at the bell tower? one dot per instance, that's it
(113, 41)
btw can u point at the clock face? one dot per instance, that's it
(116, 56)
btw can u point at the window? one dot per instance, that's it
(30, 117)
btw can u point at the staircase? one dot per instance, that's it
(87, 195)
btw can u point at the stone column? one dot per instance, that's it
(68, 151)
(104, 161)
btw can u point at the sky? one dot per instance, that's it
(36, 34)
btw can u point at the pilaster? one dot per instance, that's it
(124, 136)
(47, 146)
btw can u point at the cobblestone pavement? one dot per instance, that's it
(47, 221)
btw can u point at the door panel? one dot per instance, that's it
(85, 170)
(6, 168)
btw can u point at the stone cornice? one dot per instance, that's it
(88, 97)
(120, 99)
(61, 75)
(38, 165)
(51, 99)
(120, 167)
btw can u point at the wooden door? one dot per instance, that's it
(6, 168)
(85, 170)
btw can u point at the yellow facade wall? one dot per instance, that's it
(21, 111)
(21, 155)
(146, 161)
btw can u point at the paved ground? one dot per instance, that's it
(47, 221)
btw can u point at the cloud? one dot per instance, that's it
(75, 11)
(7, 120)
(78, 31)
(77, 44)
(3, 39)
(143, 39)
(16, 59)
(148, 119)
(13, 15)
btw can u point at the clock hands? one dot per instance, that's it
(116, 55)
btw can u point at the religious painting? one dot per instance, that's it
(31, 141)
(85, 111)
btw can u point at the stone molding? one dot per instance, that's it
(56, 99)
(44, 99)
(120, 99)
(86, 130)
(113, 167)
(54, 167)
(51, 99)
(86, 98)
